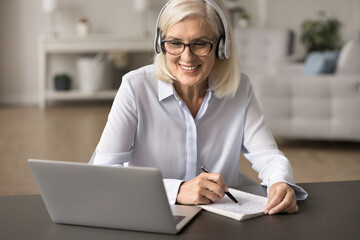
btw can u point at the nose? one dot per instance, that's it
(187, 53)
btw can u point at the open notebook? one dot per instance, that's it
(250, 206)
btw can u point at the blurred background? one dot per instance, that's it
(61, 63)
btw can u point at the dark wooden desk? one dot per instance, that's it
(332, 211)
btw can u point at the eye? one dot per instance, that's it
(199, 44)
(175, 44)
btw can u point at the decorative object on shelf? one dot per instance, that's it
(83, 27)
(322, 34)
(62, 82)
(49, 7)
(94, 73)
(142, 6)
(121, 61)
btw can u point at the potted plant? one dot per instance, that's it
(62, 82)
(322, 34)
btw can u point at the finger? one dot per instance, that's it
(206, 190)
(294, 210)
(217, 178)
(286, 202)
(292, 207)
(200, 199)
(211, 196)
(194, 192)
(275, 197)
(214, 188)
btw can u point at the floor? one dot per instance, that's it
(71, 132)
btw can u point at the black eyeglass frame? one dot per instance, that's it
(188, 45)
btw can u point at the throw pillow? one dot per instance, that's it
(320, 63)
(349, 59)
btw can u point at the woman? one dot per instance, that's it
(194, 108)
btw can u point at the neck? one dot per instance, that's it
(193, 96)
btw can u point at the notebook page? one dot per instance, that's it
(249, 203)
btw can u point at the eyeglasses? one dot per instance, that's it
(199, 48)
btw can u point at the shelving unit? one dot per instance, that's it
(73, 45)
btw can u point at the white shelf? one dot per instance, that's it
(81, 45)
(95, 43)
(78, 95)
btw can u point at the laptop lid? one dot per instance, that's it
(131, 198)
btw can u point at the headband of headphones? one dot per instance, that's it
(224, 44)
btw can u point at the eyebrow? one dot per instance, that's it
(202, 38)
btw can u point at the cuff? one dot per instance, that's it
(300, 193)
(172, 188)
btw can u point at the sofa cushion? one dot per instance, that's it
(320, 63)
(310, 107)
(349, 59)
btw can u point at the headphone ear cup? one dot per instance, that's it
(158, 47)
(162, 48)
(158, 42)
(227, 49)
(220, 48)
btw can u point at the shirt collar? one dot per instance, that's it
(165, 89)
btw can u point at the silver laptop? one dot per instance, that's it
(131, 198)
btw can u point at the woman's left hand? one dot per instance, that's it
(281, 199)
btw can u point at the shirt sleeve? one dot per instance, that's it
(172, 188)
(260, 149)
(115, 145)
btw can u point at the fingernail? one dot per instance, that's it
(271, 212)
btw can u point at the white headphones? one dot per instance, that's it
(224, 44)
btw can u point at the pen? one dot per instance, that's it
(227, 193)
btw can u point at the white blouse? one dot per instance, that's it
(149, 125)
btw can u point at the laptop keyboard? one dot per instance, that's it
(178, 218)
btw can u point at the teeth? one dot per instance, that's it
(188, 68)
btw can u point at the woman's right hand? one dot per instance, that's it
(203, 189)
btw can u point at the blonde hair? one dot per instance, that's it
(224, 78)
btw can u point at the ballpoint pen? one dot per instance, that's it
(227, 193)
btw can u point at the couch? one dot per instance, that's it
(298, 106)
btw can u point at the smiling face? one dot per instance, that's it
(189, 69)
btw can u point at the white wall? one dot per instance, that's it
(21, 21)
(19, 26)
